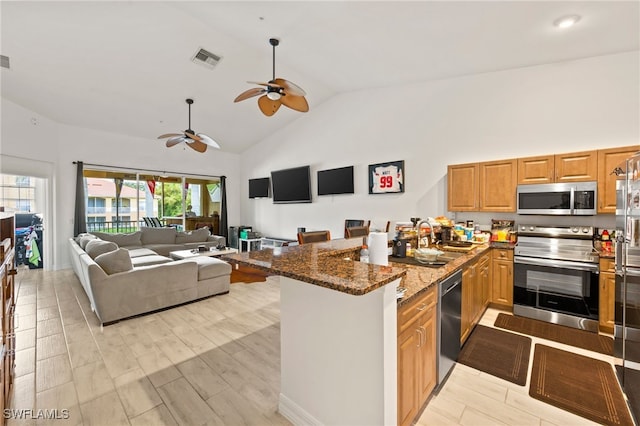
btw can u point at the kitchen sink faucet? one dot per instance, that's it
(432, 235)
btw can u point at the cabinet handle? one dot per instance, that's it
(422, 307)
(419, 330)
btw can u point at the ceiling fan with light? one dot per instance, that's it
(276, 92)
(196, 141)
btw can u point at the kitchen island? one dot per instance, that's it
(339, 329)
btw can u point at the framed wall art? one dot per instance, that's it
(386, 178)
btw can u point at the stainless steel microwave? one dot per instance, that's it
(570, 199)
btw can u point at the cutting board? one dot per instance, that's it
(458, 249)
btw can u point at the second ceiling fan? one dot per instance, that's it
(276, 92)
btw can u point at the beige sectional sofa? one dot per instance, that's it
(132, 279)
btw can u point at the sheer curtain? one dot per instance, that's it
(223, 231)
(80, 217)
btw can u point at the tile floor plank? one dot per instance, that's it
(215, 361)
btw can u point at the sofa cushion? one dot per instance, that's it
(132, 239)
(149, 260)
(115, 261)
(85, 239)
(210, 267)
(197, 236)
(165, 249)
(139, 252)
(97, 247)
(158, 236)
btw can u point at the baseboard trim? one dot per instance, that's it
(294, 413)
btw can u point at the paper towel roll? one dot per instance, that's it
(378, 252)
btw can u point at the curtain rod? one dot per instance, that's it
(147, 170)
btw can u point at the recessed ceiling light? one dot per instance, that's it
(566, 21)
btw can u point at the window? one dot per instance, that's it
(122, 199)
(17, 193)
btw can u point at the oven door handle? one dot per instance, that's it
(557, 263)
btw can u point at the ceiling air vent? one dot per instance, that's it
(4, 61)
(206, 58)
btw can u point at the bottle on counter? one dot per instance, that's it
(364, 254)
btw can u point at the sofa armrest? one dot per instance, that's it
(219, 239)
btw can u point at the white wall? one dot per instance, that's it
(563, 107)
(28, 143)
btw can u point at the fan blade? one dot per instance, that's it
(206, 139)
(290, 88)
(268, 106)
(192, 136)
(197, 145)
(249, 94)
(299, 103)
(175, 141)
(169, 135)
(272, 84)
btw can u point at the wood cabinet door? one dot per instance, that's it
(462, 187)
(408, 376)
(502, 288)
(607, 301)
(608, 160)
(427, 355)
(532, 170)
(485, 282)
(466, 314)
(576, 166)
(498, 180)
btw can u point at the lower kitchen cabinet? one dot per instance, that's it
(606, 306)
(502, 277)
(476, 281)
(469, 280)
(416, 355)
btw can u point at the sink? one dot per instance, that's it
(450, 255)
(412, 261)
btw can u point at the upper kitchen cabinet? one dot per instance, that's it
(488, 186)
(498, 181)
(462, 187)
(570, 167)
(608, 160)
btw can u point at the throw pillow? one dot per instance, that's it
(85, 239)
(197, 236)
(122, 240)
(97, 247)
(115, 261)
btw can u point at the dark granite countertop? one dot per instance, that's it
(328, 264)
(421, 278)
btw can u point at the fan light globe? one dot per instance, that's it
(274, 96)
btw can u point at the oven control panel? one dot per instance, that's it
(556, 231)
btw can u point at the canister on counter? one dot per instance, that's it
(469, 224)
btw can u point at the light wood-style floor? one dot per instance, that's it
(216, 361)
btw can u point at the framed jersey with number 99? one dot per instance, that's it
(385, 178)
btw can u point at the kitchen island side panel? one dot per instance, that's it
(338, 355)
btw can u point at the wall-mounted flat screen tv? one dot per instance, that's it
(291, 185)
(259, 188)
(335, 181)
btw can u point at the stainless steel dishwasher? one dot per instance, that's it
(449, 308)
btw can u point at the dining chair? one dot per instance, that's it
(357, 231)
(313, 237)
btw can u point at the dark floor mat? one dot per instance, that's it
(497, 352)
(581, 385)
(558, 333)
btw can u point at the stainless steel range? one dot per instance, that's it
(556, 275)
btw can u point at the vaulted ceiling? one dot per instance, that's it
(126, 66)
